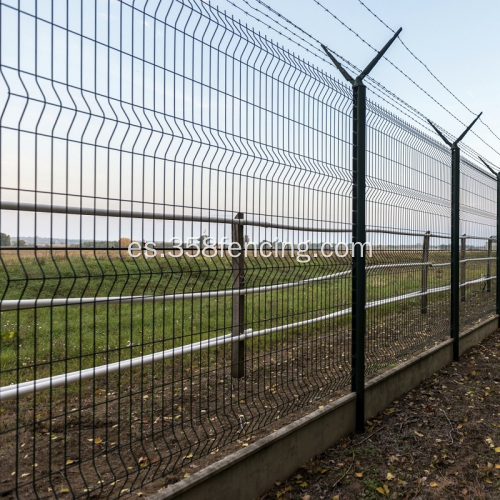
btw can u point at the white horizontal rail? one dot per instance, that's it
(16, 390)
(462, 261)
(158, 215)
(393, 266)
(479, 280)
(12, 391)
(16, 305)
(478, 258)
(9, 305)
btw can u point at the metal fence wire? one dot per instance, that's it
(142, 144)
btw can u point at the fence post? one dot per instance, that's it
(497, 270)
(425, 271)
(488, 266)
(358, 264)
(358, 314)
(238, 322)
(497, 253)
(455, 251)
(463, 277)
(455, 236)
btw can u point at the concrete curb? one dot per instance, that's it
(252, 471)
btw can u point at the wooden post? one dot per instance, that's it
(425, 271)
(488, 268)
(238, 323)
(463, 254)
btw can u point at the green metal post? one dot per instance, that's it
(358, 257)
(359, 229)
(455, 236)
(497, 249)
(455, 250)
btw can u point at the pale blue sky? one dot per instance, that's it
(458, 40)
(129, 155)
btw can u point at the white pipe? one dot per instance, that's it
(11, 391)
(479, 280)
(392, 266)
(15, 390)
(140, 214)
(9, 305)
(15, 305)
(478, 258)
(444, 264)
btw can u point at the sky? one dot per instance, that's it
(458, 40)
(100, 101)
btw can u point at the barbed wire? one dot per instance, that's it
(429, 70)
(390, 97)
(395, 66)
(417, 58)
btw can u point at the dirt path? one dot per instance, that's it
(442, 440)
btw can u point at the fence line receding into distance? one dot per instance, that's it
(133, 122)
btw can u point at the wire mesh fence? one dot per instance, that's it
(408, 205)
(143, 145)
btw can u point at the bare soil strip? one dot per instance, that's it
(442, 440)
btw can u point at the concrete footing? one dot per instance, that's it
(250, 472)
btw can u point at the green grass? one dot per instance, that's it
(44, 341)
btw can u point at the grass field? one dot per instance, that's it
(53, 340)
(180, 410)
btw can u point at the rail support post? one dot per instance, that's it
(455, 236)
(359, 228)
(463, 255)
(497, 253)
(425, 271)
(238, 322)
(488, 265)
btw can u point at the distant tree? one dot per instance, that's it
(4, 240)
(21, 243)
